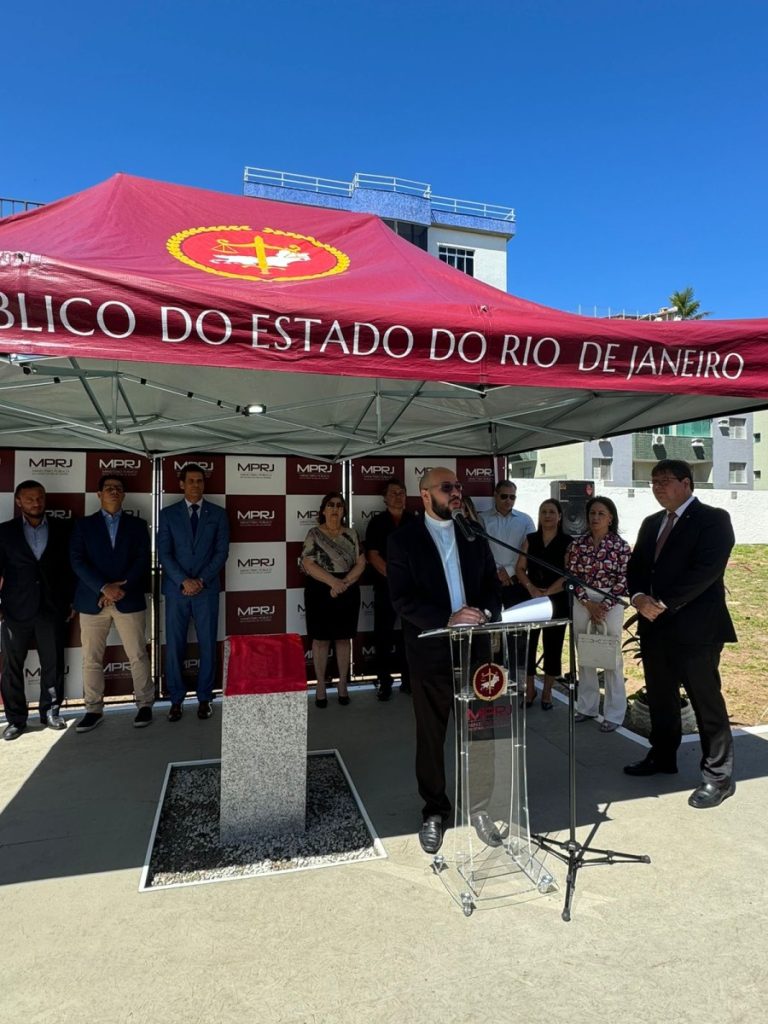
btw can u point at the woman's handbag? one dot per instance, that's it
(597, 648)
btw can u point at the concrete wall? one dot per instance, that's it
(760, 450)
(490, 252)
(748, 509)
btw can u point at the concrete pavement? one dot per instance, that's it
(381, 941)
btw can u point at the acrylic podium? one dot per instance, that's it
(488, 857)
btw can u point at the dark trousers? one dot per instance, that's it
(552, 642)
(46, 633)
(203, 610)
(432, 690)
(666, 667)
(386, 637)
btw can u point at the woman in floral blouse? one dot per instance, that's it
(600, 558)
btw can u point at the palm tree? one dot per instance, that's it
(685, 306)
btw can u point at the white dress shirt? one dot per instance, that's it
(512, 528)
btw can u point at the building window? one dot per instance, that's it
(602, 469)
(737, 472)
(461, 259)
(694, 428)
(757, 438)
(416, 234)
(758, 474)
(737, 427)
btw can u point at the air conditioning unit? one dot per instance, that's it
(658, 439)
(724, 422)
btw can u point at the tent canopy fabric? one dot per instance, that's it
(150, 316)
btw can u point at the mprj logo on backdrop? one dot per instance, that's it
(256, 254)
(256, 517)
(311, 476)
(255, 611)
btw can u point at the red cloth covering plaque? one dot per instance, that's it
(265, 664)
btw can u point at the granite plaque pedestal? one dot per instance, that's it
(263, 737)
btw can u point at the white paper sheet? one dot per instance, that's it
(539, 609)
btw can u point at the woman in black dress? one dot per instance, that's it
(333, 561)
(550, 543)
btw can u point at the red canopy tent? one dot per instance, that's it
(134, 271)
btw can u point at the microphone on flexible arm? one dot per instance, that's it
(463, 524)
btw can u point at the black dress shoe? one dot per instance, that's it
(649, 767)
(12, 732)
(204, 709)
(384, 692)
(321, 702)
(53, 719)
(343, 699)
(174, 715)
(431, 834)
(486, 830)
(710, 795)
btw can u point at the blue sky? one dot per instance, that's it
(631, 137)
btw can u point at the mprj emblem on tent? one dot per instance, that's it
(490, 681)
(256, 254)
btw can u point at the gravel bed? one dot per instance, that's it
(187, 849)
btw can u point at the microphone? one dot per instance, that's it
(463, 524)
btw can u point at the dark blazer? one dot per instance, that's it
(31, 587)
(688, 576)
(417, 584)
(184, 557)
(96, 562)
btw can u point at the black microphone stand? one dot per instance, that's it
(573, 853)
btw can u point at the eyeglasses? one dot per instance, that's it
(335, 504)
(506, 497)
(447, 487)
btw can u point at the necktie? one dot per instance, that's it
(671, 517)
(194, 519)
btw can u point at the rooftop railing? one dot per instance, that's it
(379, 183)
(10, 206)
(305, 182)
(474, 209)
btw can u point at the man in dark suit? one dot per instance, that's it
(110, 555)
(192, 544)
(675, 577)
(385, 636)
(437, 578)
(35, 602)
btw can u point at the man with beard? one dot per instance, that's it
(35, 603)
(437, 578)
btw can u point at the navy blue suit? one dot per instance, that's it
(96, 562)
(184, 556)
